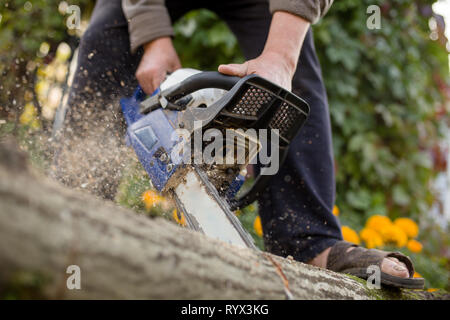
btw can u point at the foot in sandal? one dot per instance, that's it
(396, 269)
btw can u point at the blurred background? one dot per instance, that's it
(389, 96)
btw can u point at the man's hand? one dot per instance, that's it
(158, 59)
(268, 65)
(278, 61)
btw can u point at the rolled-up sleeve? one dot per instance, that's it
(147, 20)
(310, 10)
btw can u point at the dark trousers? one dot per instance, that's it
(296, 209)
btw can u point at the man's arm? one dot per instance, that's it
(278, 60)
(147, 20)
(150, 27)
(290, 22)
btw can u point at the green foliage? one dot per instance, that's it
(25, 27)
(203, 41)
(383, 99)
(24, 285)
(247, 217)
(134, 182)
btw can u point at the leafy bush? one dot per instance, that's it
(384, 101)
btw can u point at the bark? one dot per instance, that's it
(45, 227)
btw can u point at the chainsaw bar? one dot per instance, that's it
(207, 212)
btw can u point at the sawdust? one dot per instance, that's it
(90, 150)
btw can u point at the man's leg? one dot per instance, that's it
(296, 209)
(91, 154)
(300, 199)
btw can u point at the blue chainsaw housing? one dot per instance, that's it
(250, 102)
(150, 136)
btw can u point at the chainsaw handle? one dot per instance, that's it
(202, 80)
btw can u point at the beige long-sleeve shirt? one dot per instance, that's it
(149, 19)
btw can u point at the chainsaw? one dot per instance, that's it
(170, 128)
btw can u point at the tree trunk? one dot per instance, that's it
(45, 227)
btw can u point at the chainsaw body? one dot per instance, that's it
(193, 102)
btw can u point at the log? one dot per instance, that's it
(46, 227)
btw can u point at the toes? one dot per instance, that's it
(394, 267)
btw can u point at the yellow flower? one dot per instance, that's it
(378, 222)
(257, 226)
(350, 235)
(151, 198)
(238, 212)
(29, 116)
(392, 233)
(432, 289)
(41, 88)
(336, 211)
(417, 275)
(408, 226)
(414, 246)
(181, 221)
(63, 52)
(371, 238)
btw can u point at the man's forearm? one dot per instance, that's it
(278, 61)
(286, 35)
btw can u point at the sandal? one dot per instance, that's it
(359, 259)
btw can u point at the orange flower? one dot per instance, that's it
(181, 221)
(371, 238)
(414, 246)
(432, 289)
(350, 235)
(417, 275)
(394, 234)
(336, 211)
(408, 226)
(151, 198)
(378, 222)
(257, 226)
